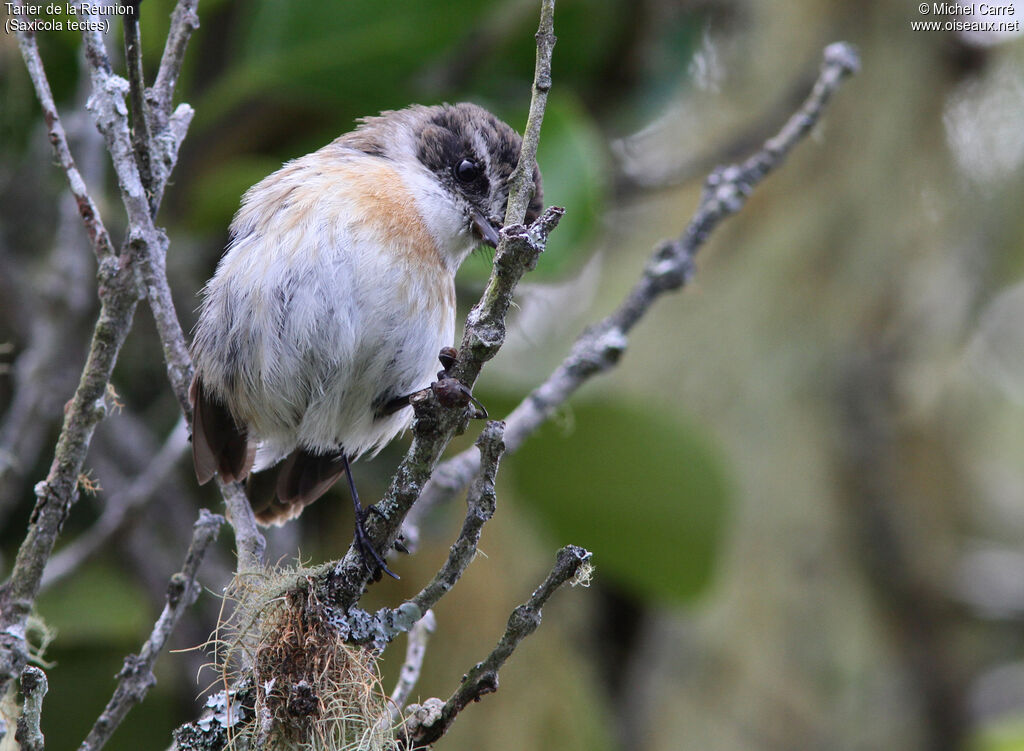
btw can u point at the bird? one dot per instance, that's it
(335, 296)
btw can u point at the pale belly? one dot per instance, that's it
(312, 320)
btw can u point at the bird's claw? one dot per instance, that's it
(366, 547)
(452, 392)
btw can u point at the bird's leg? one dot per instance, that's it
(362, 538)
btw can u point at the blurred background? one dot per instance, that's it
(803, 485)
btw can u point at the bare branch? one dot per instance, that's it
(184, 21)
(521, 187)
(147, 241)
(151, 243)
(480, 506)
(136, 86)
(483, 678)
(33, 687)
(409, 676)
(600, 346)
(119, 292)
(249, 541)
(434, 425)
(136, 677)
(56, 494)
(98, 236)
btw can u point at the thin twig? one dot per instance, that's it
(415, 651)
(136, 86)
(480, 506)
(184, 21)
(119, 508)
(521, 187)
(98, 236)
(136, 677)
(483, 678)
(434, 425)
(33, 687)
(599, 347)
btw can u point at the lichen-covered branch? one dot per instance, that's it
(98, 236)
(148, 242)
(152, 243)
(29, 735)
(416, 650)
(572, 564)
(51, 322)
(56, 494)
(136, 677)
(600, 346)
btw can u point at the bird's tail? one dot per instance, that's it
(281, 492)
(219, 445)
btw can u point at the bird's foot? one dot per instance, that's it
(371, 558)
(452, 392)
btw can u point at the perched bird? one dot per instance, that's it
(335, 296)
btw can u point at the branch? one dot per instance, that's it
(480, 506)
(599, 348)
(434, 425)
(184, 21)
(572, 563)
(136, 677)
(409, 676)
(136, 85)
(33, 688)
(56, 494)
(249, 541)
(521, 187)
(98, 236)
(147, 241)
(153, 243)
(119, 292)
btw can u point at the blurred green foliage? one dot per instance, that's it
(646, 491)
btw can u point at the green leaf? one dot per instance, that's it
(645, 492)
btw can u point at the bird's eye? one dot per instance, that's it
(467, 171)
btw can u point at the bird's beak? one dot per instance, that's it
(484, 230)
